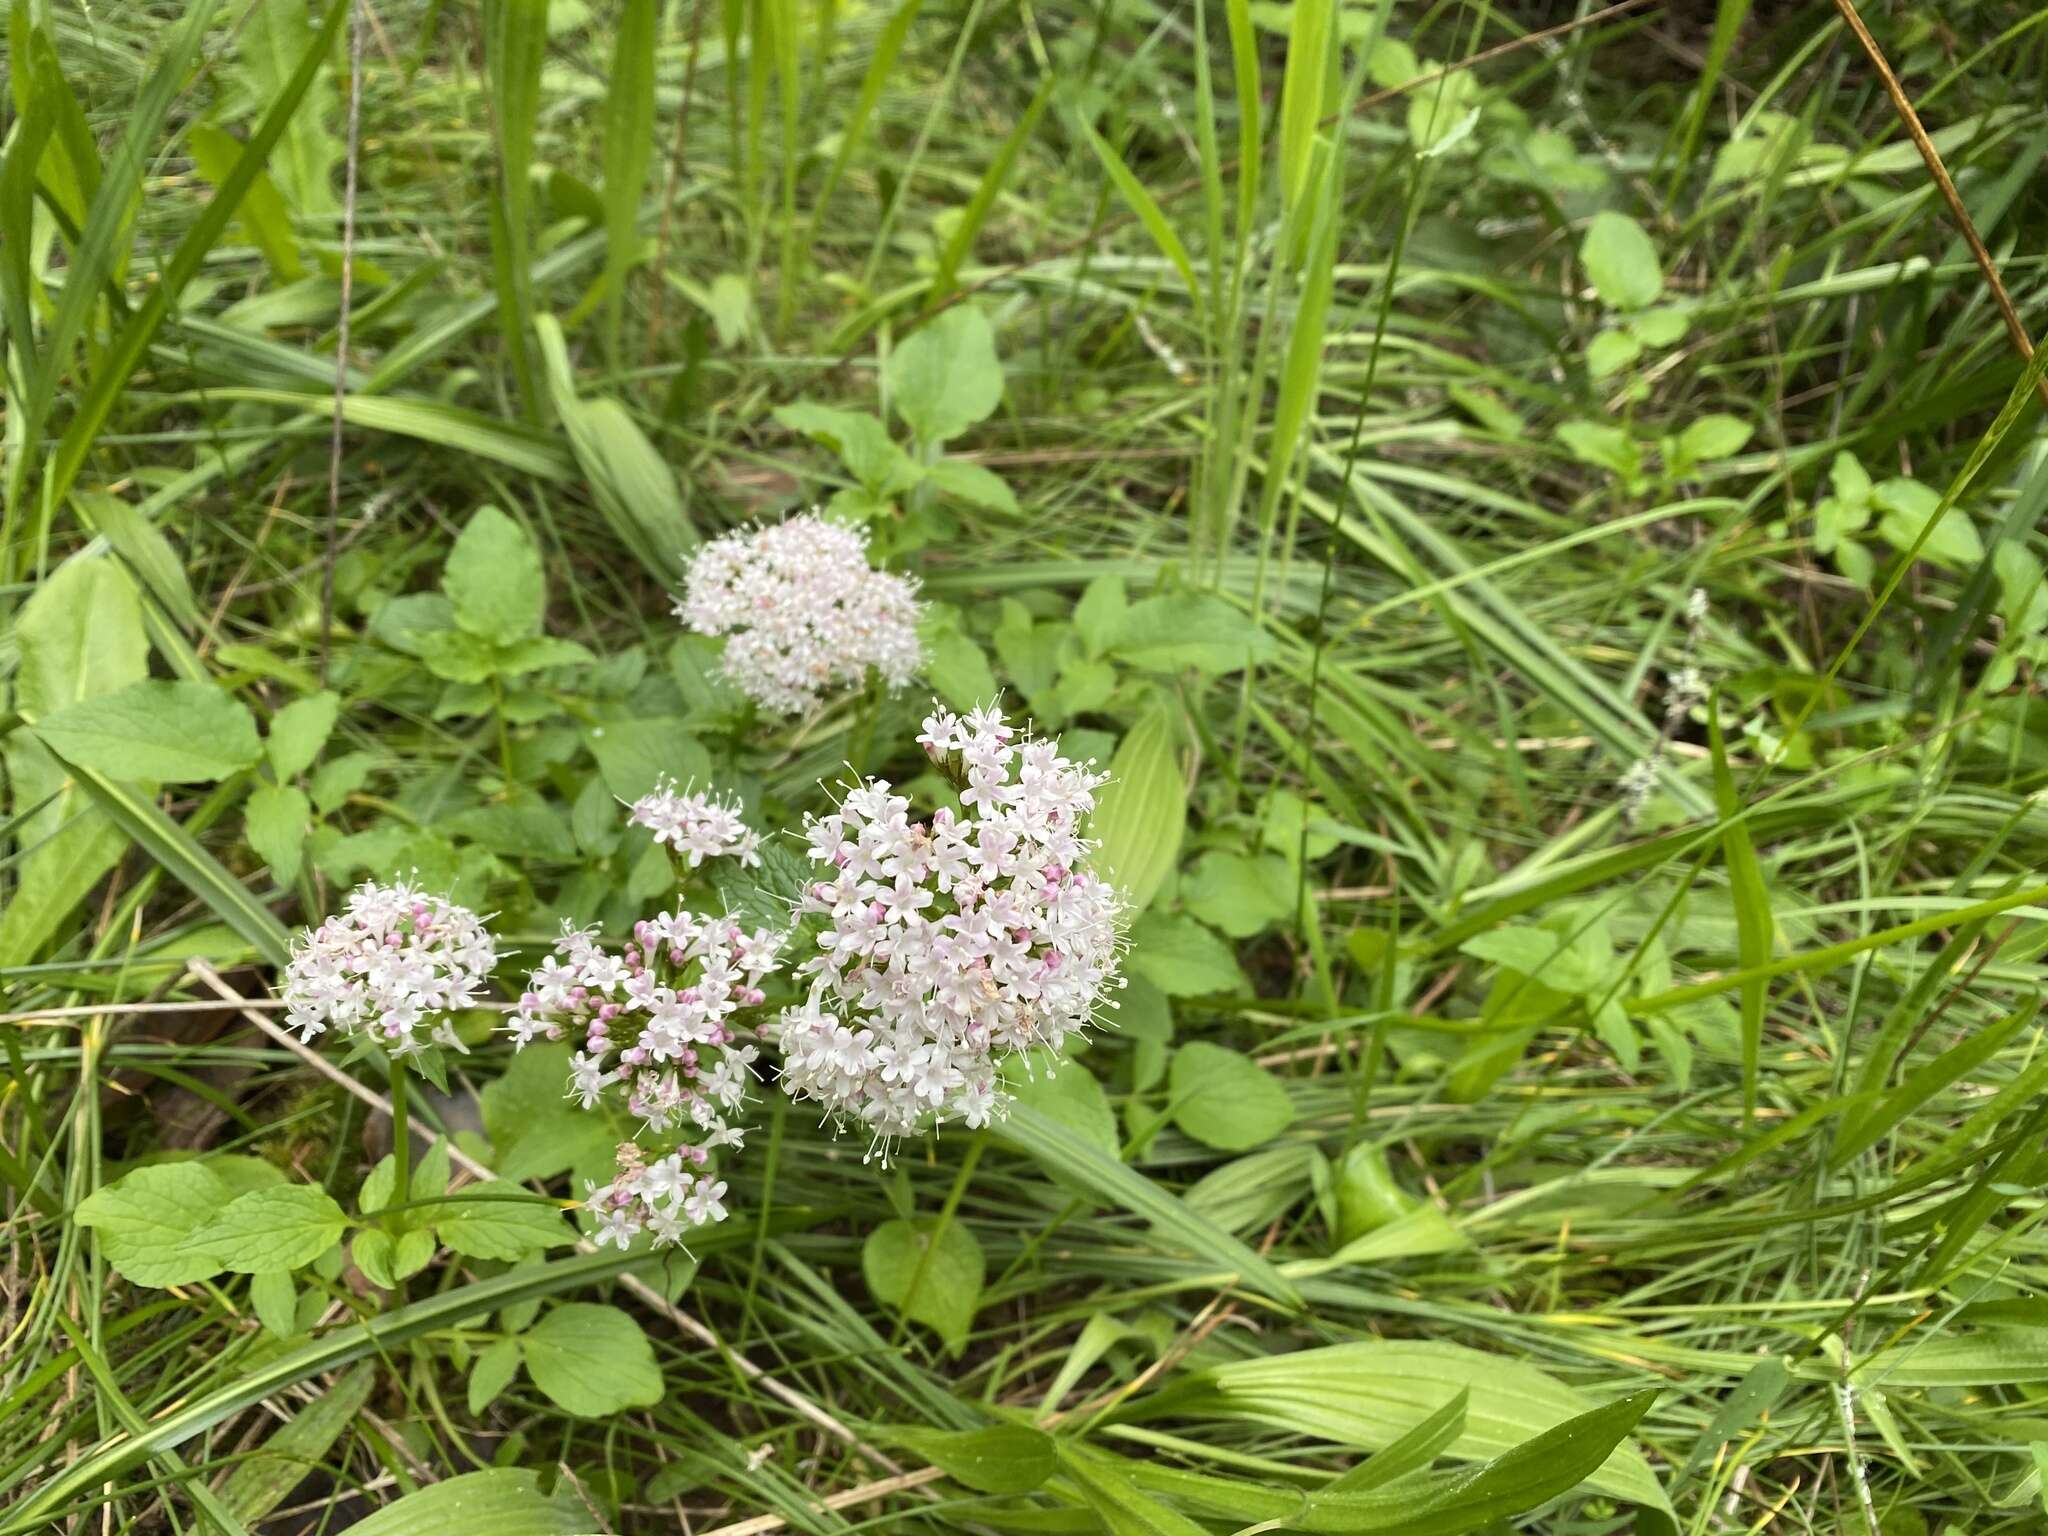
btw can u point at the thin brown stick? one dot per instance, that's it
(2014, 328)
(682, 1320)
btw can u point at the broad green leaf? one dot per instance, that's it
(1117, 1502)
(275, 1301)
(1141, 813)
(257, 1486)
(535, 1132)
(1715, 436)
(1182, 630)
(591, 1360)
(282, 1227)
(862, 443)
(1367, 1394)
(1065, 1092)
(276, 818)
(971, 483)
(493, 579)
(146, 1220)
(944, 377)
(1907, 506)
(276, 35)
(633, 753)
(80, 636)
(1610, 352)
(1443, 113)
(1182, 958)
(934, 1283)
(180, 733)
(495, 1366)
(1004, 1458)
(502, 1502)
(1368, 1197)
(372, 1251)
(299, 731)
(500, 1228)
(1621, 261)
(954, 663)
(263, 216)
(633, 484)
(1226, 1100)
(1240, 894)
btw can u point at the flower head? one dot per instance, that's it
(803, 612)
(950, 940)
(391, 966)
(696, 826)
(653, 1027)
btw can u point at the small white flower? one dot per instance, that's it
(390, 965)
(953, 942)
(803, 612)
(655, 1022)
(696, 826)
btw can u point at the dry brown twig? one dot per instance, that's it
(1903, 106)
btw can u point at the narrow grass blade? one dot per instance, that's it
(1060, 1149)
(628, 148)
(1752, 900)
(515, 43)
(181, 857)
(119, 361)
(1150, 214)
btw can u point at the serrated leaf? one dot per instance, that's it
(493, 579)
(281, 1227)
(146, 1220)
(163, 732)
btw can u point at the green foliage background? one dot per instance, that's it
(1536, 507)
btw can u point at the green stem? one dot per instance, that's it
(401, 1136)
(938, 1232)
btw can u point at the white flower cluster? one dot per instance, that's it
(654, 1021)
(951, 942)
(804, 612)
(391, 966)
(664, 1198)
(696, 826)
